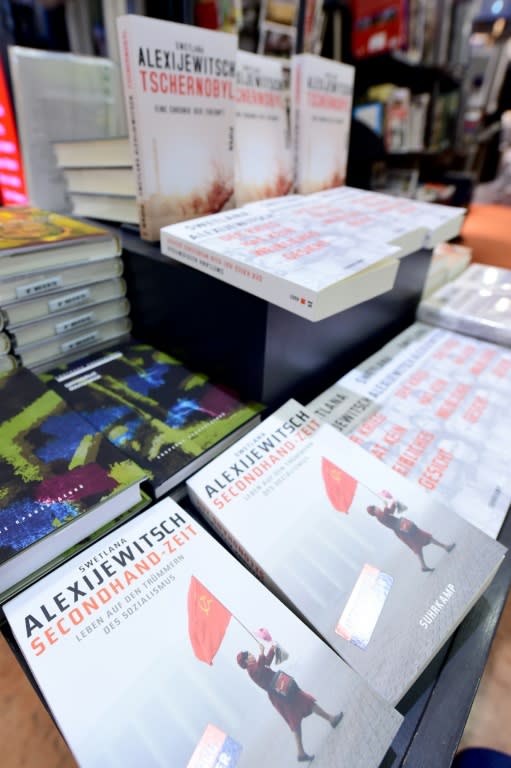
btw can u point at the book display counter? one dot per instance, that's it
(270, 355)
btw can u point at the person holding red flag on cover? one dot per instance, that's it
(287, 697)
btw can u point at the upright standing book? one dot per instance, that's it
(167, 418)
(299, 268)
(60, 478)
(205, 667)
(433, 405)
(321, 100)
(179, 88)
(262, 136)
(381, 570)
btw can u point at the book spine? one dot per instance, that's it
(297, 128)
(133, 123)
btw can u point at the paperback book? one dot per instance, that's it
(376, 566)
(265, 252)
(210, 643)
(32, 239)
(60, 478)
(262, 136)
(432, 405)
(94, 153)
(477, 303)
(179, 85)
(169, 419)
(321, 101)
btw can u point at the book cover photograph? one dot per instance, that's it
(374, 564)
(60, 478)
(225, 675)
(432, 405)
(262, 136)
(266, 252)
(179, 83)
(161, 414)
(321, 100)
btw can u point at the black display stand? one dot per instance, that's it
(259, 349)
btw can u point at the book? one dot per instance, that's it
(20, 287)
(300, 269)
(49, 352)
(112, 152)
(121, 208)
(163, 578)
(101, 181)
(447, 262)
(262, 131)
(179, 85)
(432, 405)
(477, 303)
(33, 239)
(377, 27)
(376, 566)
(60, 96)
(21, 312)
(61, 479)
(65, 323)
(154, 408)
(321, 101)
(441, 222)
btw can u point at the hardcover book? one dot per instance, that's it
(265, 252)
(61, 96)
(216, 645)
(94, 153)
(169, 419)
(432, 405)
(60, 478)
(321, 100)
(262, 135)
(373, 563)
(179, 88)
(32, 240)
(477, 303)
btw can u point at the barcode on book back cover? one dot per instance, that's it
(364, 606)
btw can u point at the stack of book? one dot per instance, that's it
(99, 177)
(61, 289)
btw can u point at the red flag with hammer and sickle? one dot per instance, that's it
(208, 620)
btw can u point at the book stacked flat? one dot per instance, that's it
(99, 177)
(433, 405)
(61, 289)
(477, 303)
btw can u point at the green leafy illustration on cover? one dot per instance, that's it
(152, 407)
(54, 465)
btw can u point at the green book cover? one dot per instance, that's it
(169, 419)
(56, 469)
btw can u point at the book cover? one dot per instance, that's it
(267, 253)
(477, 303)
(60, 96)
(169, 419)
(374, 564)
(321, 101)
(442, 222)
(60, 478)
(179, 85)
(432, 406)
(206, 637)
(262, 130)
(12, 180)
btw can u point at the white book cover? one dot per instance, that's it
(433, 405)
(441, 222)
(321, 101)
(179, 83)
(300, 269)
(155, 647)
(60, 96)
(381, 570)
(262, 129)
(467, 307)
